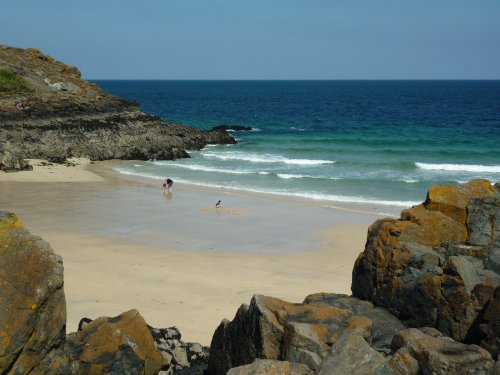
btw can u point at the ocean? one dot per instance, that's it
(365, 145)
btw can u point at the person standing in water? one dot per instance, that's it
(167, 185)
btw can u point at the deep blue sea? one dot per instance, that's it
(370, 144)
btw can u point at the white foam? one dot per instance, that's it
(459, 167)
(287, 176)
(307, 195)
(263, 158)
(203, 168)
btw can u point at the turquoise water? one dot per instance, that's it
(374, 145)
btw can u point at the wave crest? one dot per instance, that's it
(263, 158)
(459, 167)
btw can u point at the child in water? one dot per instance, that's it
(167, 185)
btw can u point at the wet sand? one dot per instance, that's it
(175, 257)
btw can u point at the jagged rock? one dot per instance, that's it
(270, 328)
(483, 222)
(55, 115)
(486, 328)
(352, 355)
(233, 127)
(452, 200)
(271, 367)
(118, 345)
(425, 269)
(402, 363)
(443, 355)
(178, 356)
(383, 324)
(33, 309)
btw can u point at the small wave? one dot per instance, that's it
(287, 176)
(139, 174)
(298, 129)
(264, 172)
(409, 181)
(459, 167)
(263, 158)
(203, 168)
(307, 195)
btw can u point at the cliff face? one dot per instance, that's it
(47, 111)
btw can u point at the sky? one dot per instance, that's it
(262, 39)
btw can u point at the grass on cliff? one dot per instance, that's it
(11, 83)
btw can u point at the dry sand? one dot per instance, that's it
(177, 259)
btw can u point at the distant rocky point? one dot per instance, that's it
(48, 112)
(237, 128)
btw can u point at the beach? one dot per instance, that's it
(175, 257)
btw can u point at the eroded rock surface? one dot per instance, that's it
(178, 356)
(437, 265)
(118, 345)
(32, 303)
(270, 328)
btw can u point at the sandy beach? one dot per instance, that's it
(175, 257)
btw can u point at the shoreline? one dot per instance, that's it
(180, 261)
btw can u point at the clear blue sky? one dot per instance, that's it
(262, 39)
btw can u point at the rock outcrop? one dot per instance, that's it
(178, 356)
(118, 345)
(48, 112)
(33, 307)
(437, 265)
(270, 328)
(334, 334)
(33, 318)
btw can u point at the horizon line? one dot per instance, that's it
(292, 79)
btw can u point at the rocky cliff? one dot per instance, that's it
(47, 111)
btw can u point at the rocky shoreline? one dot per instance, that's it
(422, 278)
(48, 112)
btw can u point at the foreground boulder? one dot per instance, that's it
(442, 355)
(32, 303)
(118, 345)
(33, 318)
(333, 334)
(270, 328)
(271, 367)
(437, 265)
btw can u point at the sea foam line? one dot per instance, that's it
(459, 167)
(263, 158)
(202, 168)
(307, 195)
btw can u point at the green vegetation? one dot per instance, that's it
(11, 83)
